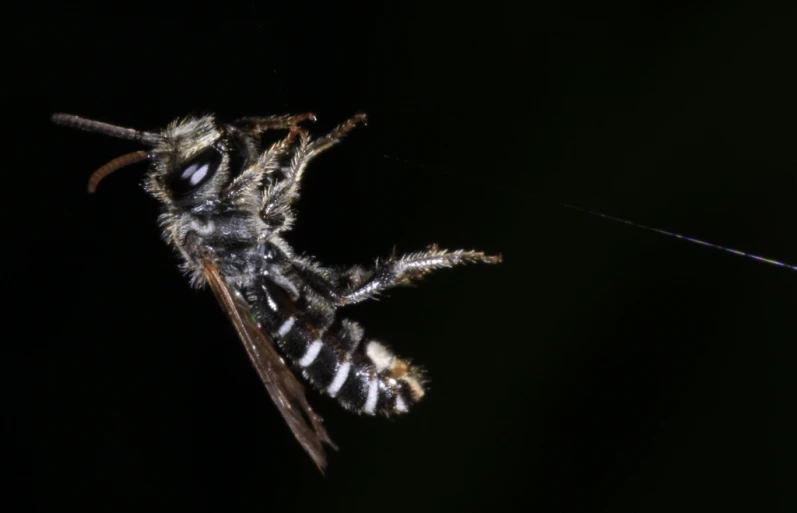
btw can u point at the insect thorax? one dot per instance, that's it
(238, 241)
(210, 210)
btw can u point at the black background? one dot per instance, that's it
(600, 367)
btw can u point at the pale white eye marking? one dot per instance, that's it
(311, 354)
(340, 379)
(195, 173)
(190, 170)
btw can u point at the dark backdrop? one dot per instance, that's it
(601, 367)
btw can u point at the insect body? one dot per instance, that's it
(226, 201)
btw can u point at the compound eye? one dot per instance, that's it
(196, 172)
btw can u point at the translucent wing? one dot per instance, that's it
(283, 387)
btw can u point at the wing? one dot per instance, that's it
(283, 387)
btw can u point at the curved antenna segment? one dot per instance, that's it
(114, 165)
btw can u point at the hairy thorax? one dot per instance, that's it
(239, 243)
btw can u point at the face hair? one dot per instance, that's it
(226, 200)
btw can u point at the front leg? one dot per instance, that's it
(255, 125)
(276, 203)
(245, 184)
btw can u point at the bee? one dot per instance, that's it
(226, 200)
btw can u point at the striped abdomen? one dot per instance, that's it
(363, 375)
